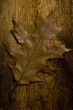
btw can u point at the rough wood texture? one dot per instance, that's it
(56, 92)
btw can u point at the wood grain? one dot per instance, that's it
(55, 93)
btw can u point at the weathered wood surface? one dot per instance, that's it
(55, 93)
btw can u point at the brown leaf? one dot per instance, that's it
(35, 49)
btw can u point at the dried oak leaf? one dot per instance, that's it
(34, 49)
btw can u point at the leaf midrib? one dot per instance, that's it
(30, 59)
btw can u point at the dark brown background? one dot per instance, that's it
(56, 92)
